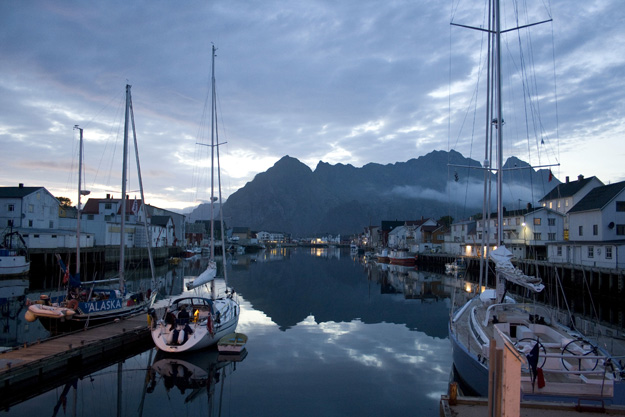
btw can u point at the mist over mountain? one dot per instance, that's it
(290, 197)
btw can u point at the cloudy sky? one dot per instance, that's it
(350, 81)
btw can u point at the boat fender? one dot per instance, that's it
(182, 337)
(30, 316)
(209, 324)
(173, 338)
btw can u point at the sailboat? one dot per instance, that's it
(196, 322)
(86, 305)
(561, 364)
(14, 259)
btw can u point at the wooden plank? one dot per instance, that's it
(55, 354)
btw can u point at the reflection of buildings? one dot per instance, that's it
(397, 279)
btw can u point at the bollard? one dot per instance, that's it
(453, 393)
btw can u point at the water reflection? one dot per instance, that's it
(328, 335)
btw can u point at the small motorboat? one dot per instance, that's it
(232, 343)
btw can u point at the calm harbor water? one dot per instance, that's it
(328, 336)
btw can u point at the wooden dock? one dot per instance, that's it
(478, 407)
(29, 370)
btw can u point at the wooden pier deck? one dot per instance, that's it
(29, 370)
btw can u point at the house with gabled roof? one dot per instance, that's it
(565, 195)
(596, 230)
(28, 208)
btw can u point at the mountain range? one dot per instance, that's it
(342, 199)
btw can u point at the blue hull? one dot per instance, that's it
(472, 372)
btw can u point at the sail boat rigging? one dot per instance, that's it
(209, 319)
(83, 306)
(570, 366)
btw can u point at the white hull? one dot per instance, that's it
(202, 331)
(13, 266)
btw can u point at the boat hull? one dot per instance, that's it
(197, 334)
(232, 343)
(13, 266)
(468, 366)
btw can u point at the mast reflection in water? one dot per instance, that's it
(328, 336)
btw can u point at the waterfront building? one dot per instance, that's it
(596, 230)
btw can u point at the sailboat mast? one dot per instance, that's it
(78, 208)
(145, 211)
(212, 255)
(213, 117)
(499, 126)
(123, 196)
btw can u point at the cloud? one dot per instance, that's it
(350, 82)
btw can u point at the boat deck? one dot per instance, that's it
(569, 366)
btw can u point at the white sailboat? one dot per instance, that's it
(84, 304)
(196, 322)
(562, 364)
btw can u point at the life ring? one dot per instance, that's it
(73, 304)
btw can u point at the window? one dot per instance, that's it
(89, 216)
(559, 203)
(608, 252)
(537, 236)
(551, 221)
(620, 229)
(11, 207)
(581, 230)
(31, 208)
(537, 221)
(559, 250)
(591, 251)
(620, 206)
(30, 223)
(566, 202)
(551, 204)
(108, 206)
(551, 236)
(595, 229)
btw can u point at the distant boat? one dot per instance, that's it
(402, 257)
(209, 319)
(382, 255)
(458, 265)
(83, 304)
(14, 258)
(232, 343)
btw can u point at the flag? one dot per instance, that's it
(532, 360)
(135, 206)
(550, 176)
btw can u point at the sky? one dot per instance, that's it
(350, 82)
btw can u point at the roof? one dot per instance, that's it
(568, 189)
(17, 192)
(93, 205)
(599, 197)
(160, 220)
